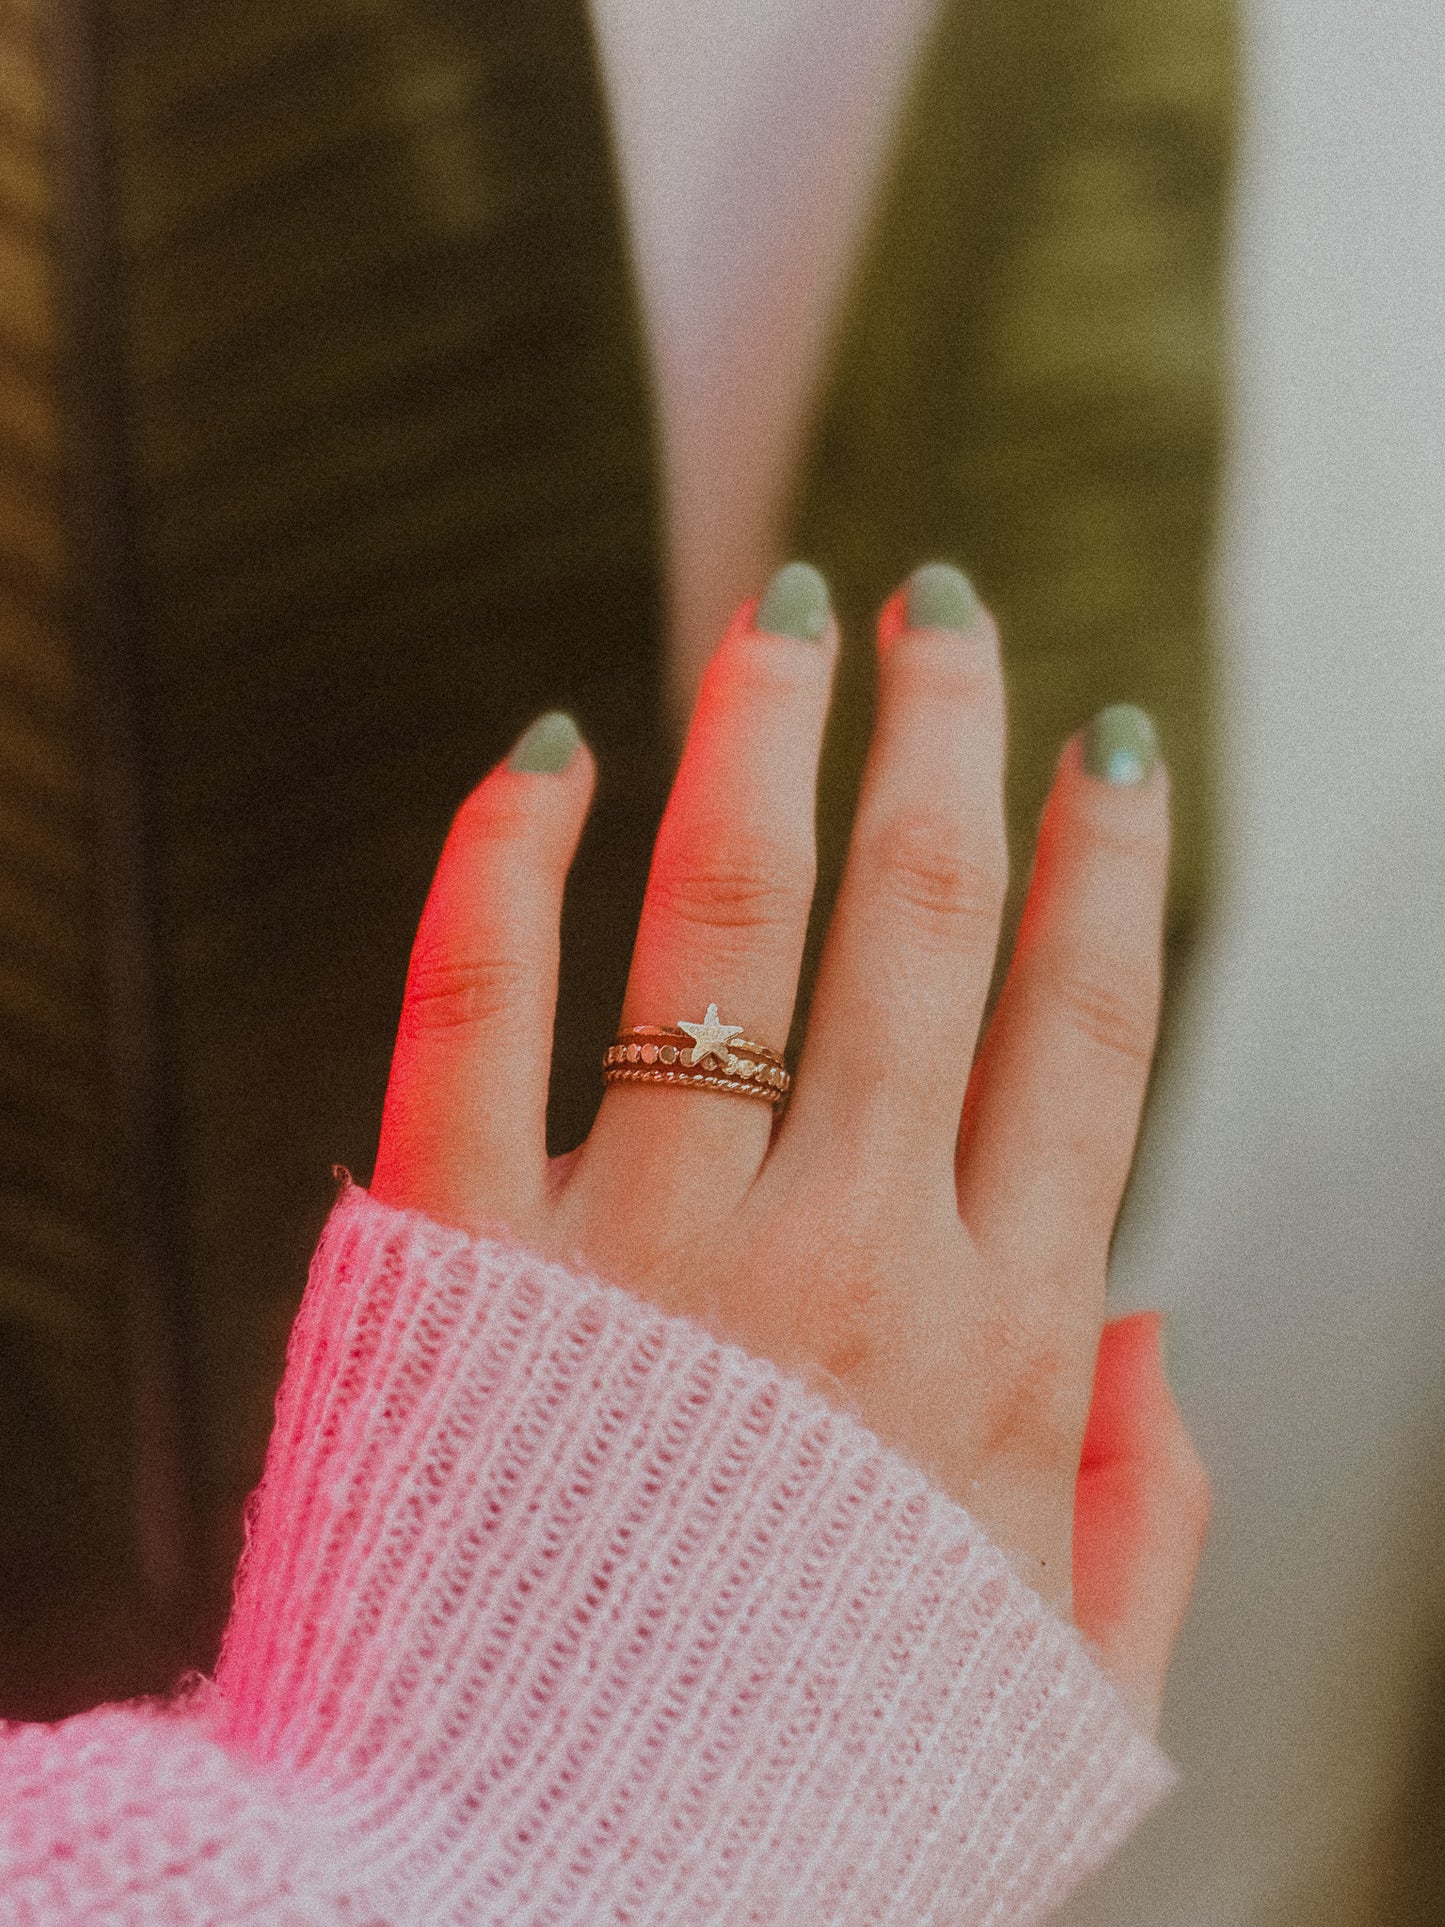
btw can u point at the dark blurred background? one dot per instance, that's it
(328, 458)
(331, 452)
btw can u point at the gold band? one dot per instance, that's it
(708, 1056)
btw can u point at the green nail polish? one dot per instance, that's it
(547, 747)
(796, 604)
(941, 597)
(1120, 745)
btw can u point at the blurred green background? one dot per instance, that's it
(328, 458)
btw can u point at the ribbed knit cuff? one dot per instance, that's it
(557, 1609)
(137, 1816)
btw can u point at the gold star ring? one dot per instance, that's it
(709, 1056)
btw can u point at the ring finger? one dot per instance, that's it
(728, 895)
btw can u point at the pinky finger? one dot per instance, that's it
(463, 1133)
(1053, 1104)
(1141, 1514)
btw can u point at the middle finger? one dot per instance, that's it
(909, 955)
(728, 894)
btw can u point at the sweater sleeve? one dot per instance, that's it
(557, 1609)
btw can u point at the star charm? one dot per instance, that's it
(710, 1038)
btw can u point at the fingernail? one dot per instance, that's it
(547, 747)
(795, 604)
(1120, 745)
(941, 597)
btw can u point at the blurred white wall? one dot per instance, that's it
(1293, 1196)
(749, 133)
(1291, 1202)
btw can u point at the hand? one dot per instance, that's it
(925, 1234)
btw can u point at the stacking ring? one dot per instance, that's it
(710, 1056)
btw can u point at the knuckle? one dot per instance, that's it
(846, 1312)
(1140, 846)
(939, 879)
(950, 675)
(453, 994)
(755, 885)
(1029, 1413)
(1111, 1006)
(751, 670)
(1032, 1421)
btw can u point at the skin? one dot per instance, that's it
(925, 1235)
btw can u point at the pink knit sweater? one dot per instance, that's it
(555, 1609)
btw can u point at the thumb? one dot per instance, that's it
(1141, 1513)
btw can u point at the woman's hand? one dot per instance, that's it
(925, 1234)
